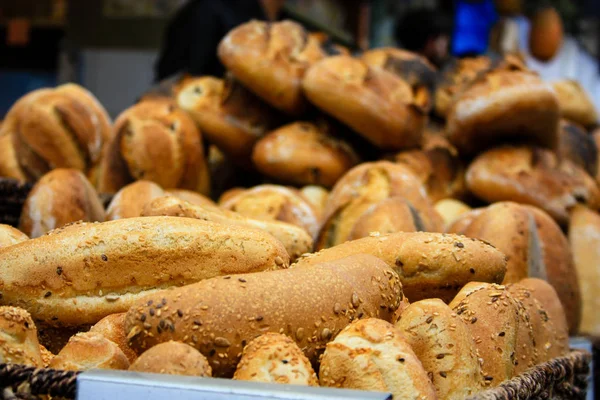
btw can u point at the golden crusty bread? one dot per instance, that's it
(532, 176)
(534, 246)
(429, 265)
(192, 197)
(47, 356)
(18, 338)
(317, 196)
(9, 163)
(578, 146)
(61, 197)
(373, 355)
(54, 339)
(375, 103)
(79, 274)
(130, 200)
(500, 327)
(10, 236)
(442, 342)
(89, 350)
(300, 153)
(275, 358)
(172, 358)
(575, 104)
(451, 210)
(311, 305)
(501, 106)
(271, 59)
(275, 203)
(112, 327)
(295, 239)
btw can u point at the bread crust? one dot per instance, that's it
(18, 338)
(10, 236)
(89, 350)
(451, 210)
(173, 358)
(130, 200)
(192, 197)
(578, 146)
(574, 103)
(112, 327)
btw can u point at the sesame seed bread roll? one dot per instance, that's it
(295, 239)
(18, 338)
(373, 355)
(112, 327)
(10, 236)
(430, 265)
(89, 350)
(172, 358)
(131, 199)
(47, 356)
(275, 358)
(311, 305)
(79, 274)
(442, 342)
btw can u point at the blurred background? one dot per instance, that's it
(115, 48)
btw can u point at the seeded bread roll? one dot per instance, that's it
(112, 327)
(47, 356)
(311, 305)
(130, 200)
(373, 355)
(429, 265)
(192, 197)
(500, 327)
(578, 146)
(375, 103)
(317, 196)
(442, 342)
(271, 60)
(275, 358)
(574, 103)
(18, 338)
(61, 197)
(451, 210)
(79, 274)
(300, 153)
(87, 351)
(172, 358)
(532, 176)
(295, 239)
(10, 236)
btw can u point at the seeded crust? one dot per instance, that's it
(430, 265)
(10, 236)
(172, 358)
(112, 327)
(442, 342)
(89, 350)
(373, 355)
(61, 197)
(451, 210)
(295, 239)
(275, 358)
(18, 338)
(46, 355)
(500, 326)
(311, 305)
(79, 274)
(129, 202)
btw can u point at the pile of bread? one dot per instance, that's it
(426, 233)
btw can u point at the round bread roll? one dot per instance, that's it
(172, 358)
(271, 60)
(442, 342)
(463, 221)
(112, 327)
(311, 305)
(61, 197)
(130, 200)
(317, 196)
(54, 339)
(500, 327)
(18, 338)
(578, 146)
(502, 106)
(375, 103)
(575, 104)
(89, 350)
(373, 355)
(450, 210)
(10, 236)
(275, 203)
(192, 197)
(430, 265)
(300, 154)
(532, 176)
(275, 358)
(155, 141)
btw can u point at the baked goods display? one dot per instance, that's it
(575, 105)
(130, 200)
(172, 358)
(89, 350)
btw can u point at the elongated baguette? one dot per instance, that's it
(311, 305)
(84, 272)
(295, 239)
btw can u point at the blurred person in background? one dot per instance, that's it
(473, 22)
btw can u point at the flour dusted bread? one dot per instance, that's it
(18, 338)
(130, 200)
(373, 355)
(310, 305)
(172, 358)
(112, 327)
(10, 236)
(275, 358)
(89, 350)
(575, 104)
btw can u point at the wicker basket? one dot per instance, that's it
(560, 378)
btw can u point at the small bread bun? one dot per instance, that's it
(578, 146)
(575, 104)
(373, 355)
(112, 327)
(129, 202)
(451, 210)
(192, 197)
(172, 358)
(18, 338)
(10, 236)
(317, 196)
(443, 343)
(275, 358)
(89, 350)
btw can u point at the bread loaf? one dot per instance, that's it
(10, 236)
(112, 327)
(578, 146)
(275, 358)
(373, 355)
(429, 265)
(130, 200)
(172, 358)
(87, 351)
(575, 104)
(450, 210)
(9, 163)
(18, 338)
(192, 197)
(317, 196)
(61, 197)
(79, 274)
(311, 305)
